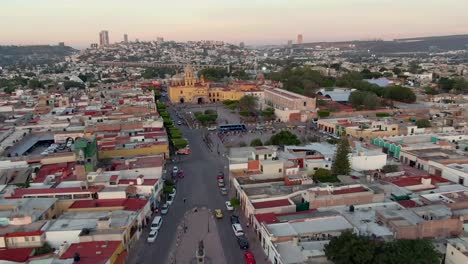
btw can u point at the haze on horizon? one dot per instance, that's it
(77, 23)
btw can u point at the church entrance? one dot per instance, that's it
(181, 100)
(200, 100)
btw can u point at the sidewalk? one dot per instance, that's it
(255, 246)
(200, 226)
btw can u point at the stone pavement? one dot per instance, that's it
(200, 225)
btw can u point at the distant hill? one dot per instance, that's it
(408, 45)
(37, 54)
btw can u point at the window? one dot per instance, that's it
(280, 170)
(305, 103)
(326, 166)
(261, 168)
(33, 239)
(181, 92)
(315, 168)
(26, 239)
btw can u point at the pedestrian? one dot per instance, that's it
(247, 224)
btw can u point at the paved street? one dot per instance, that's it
(200, 189)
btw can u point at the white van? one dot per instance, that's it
(157, 222)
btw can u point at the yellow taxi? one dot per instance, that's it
(218, 213)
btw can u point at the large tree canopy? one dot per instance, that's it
(349, 248)
(284, 138)
(341, 164)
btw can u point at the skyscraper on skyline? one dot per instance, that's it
(299, 39)
(104, 38)
(125, 38)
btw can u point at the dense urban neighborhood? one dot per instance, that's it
(210, 152)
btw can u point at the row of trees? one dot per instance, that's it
(175, 135)
(350, 248)
(458, 85)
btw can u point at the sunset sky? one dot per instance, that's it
(78, 22)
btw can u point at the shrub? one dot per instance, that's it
(256, 143)
(390, 168)
(382, 114)
(323, 113)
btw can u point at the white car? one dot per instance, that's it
(164, 209)
(175, 170)
(237, 228)
(156, 224)
(179, 122)
(229, 206)
(170, 200)
(173, 193)
(212, 128)
(152, 236)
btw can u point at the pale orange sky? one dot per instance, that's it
(78, 22)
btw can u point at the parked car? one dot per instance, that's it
(220, 183)
(223, 191)
(173, 193)
(243, 242)
(218, 213)
(229, 206)
(179, 122)
(164, 209)
(152, 236)
(181, 174)
(237, 228)
(220, 175)
(235, 219)
(175, 170)
(157, 222)
(212, 128)
(170, 200)
(249, 257)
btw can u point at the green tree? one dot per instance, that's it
(401, 94)
(284, 138)
(390, 168)
(423, 123)
(363, 100)
(324, 175)
(353, 249)
(241, 75)
(256, 142)
(269, 113)
(397, 71)
(349, 248)
(234, 202)
(248, 103)
(341, 164)
(213, 74)
(179, 143)
(35, 83)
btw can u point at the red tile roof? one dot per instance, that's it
(96, 252)
(62, 170)
(20, 192)
(270, 204)
(350, 190)
(408, 203)
(130, 204)
(16, 254)
(271, 218)
(417, 180)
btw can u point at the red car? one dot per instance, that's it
(180, 174)
(249, 257)
(220, 175)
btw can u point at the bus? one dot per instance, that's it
(232, 127)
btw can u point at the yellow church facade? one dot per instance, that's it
(194, 91)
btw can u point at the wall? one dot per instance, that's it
(362, 163)
(20, 242)
(153, 150)
(344, 199)
(430, 229)
(112, 195)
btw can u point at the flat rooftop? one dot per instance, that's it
(310, 226)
